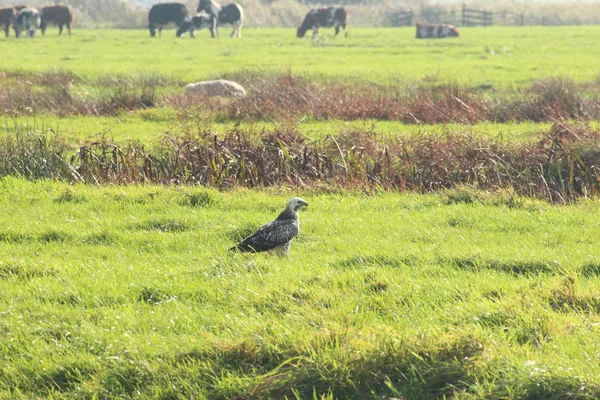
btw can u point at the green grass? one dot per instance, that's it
(130, 292)
(150, 126)
(498, 56)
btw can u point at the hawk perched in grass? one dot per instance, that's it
(277, 235)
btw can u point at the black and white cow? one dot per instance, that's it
(197, 22)
(232, 14)
(324, 17)
(434, 31)
(163, 13)
(28, 20)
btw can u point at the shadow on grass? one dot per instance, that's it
(377, 260)
(512, 267)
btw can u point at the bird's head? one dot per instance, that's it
(296, 204)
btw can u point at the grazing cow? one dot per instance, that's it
(232, 14)
(163, 13)
(28, 20)
(326, 18)
(426, 31)
(196, 22)
(58, 15)
(8, 17)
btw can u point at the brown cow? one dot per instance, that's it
(58, 15)
(434, 31)
(8, 17)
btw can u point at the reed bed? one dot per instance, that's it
(562, 166)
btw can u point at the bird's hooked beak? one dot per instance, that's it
(300, 204)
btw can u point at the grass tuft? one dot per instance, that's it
(162, 225)
(54, 236)
(20, 271)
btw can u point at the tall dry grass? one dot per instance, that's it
(561, 167)
(280, 97)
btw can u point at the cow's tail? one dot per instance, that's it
(69, 15)
(241, 21)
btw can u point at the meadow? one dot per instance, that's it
(497, 56)
(450, 248)
(130, 292)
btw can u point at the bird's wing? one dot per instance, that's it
(270, 236)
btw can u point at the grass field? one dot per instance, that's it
(138, 126)
(131, 292)
(498, 56)
(121, 290)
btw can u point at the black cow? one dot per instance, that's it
(8, 17)
(163, 13)
(196, 22)
(232, 14)
(324, 17)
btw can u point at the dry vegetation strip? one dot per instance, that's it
(561, 166)
(282, 97)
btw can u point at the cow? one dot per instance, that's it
(196, 22)
(163, 13)
(326, 18)
(232, 14)
(28, 20)
(58, 15)
(8, 17)
(426, 31)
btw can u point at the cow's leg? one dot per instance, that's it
(60, 28)
(43, 25)
(192, 34)
(152, 30)
(6, 29)
(160, 31)
(217, 30)
(315, 32)
(345, 29)
(237, 29)
(69, 28)
(213, 27)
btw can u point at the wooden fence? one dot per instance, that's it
(466, 17)
(402, 18)
(471, 17)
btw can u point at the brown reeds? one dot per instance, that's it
(563, 166)
(281, 97)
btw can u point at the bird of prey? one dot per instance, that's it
(277, 235)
